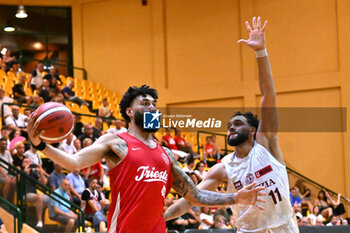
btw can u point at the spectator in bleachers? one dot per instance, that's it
(6, 179)
(27, 112)
(88, 133)
(100, 220)
(206, 218)
(33, 155)
(5, 99)
(78, 126)
(59, 99)
(182, 144)
(319, 221)
(16, 122)
(18, 156)
(45, 91)
(217, 151)
(314, 215)
(18, 91)
(293, 196)
(77, 144)
(8, 59)
(36, 78)
(60, 212)
(304, 221)
(304, 193)
(118, 127)
(67, 145)
(5, 133)
(92, 199)
(324, 204)
(37, 101)
(2, 227)
(56, 177)
(53, 79)
(337, 206)
(199, 170)
(40, 201)
(77, 186)
(169, 140)
(97, 130)
(219, 222)
(333, 221)
(104, 110)
(208, 149)
(190, 165)
(69, 94)
(344, 222)
(95, 170)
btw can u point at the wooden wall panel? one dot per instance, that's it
(201, 42)
(302, 35)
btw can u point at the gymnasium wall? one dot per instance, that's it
(188, 51)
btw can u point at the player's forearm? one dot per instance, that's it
(209, 198)
(266, 84)
(70, 162)
(177, 209)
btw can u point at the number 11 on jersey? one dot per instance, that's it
(273, 195)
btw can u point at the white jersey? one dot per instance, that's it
(260, 166)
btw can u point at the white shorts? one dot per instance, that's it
(290, 227)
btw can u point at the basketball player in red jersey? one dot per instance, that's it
(141, 171)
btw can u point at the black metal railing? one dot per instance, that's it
(16, 212)
(23, 180)
(48, 62)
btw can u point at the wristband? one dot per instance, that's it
(41, 146)
(261, 53)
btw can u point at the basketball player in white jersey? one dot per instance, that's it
(257, 156)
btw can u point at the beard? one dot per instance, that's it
(238, 140)
(138, 118)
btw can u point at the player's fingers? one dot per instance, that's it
(248, 26)
(260, 188)
(263, 28)
(259, 23)
(251, 185)
(260, 200)
(31, 120)
(254, 22)
(261, 194)
(260, 207)
(242, 41)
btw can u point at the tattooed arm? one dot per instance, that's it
(90, 155)
(186, 188)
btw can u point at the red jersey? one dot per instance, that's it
(139, 184)
(171, 142)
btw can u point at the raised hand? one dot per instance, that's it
(250, 196)
(256, 35)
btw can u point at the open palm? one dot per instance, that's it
(256, 35)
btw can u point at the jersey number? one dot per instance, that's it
(273, 195)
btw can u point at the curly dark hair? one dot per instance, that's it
(131, 94)
(252, 119)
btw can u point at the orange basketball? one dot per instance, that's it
(55, 119)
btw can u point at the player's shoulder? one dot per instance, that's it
(171, 155)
